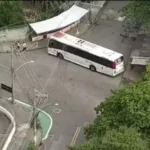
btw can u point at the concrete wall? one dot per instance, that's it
(15, 33)
(94, 8)
(11, 35)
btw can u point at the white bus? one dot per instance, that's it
(86, 54)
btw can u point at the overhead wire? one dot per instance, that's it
(23, 55)
(33, 73)
(44, 87)
(40, 100)
(26, 71)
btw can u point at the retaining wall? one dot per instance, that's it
(10, 35)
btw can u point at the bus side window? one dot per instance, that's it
(81, 53)
(71, 50)
(91, 57)
(106, 63)
(55, 44)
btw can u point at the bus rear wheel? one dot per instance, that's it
(60, 56)
(92, 68)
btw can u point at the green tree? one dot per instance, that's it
(91, 144)
(138, 11)
(128, 107)
(31, 146)
(146, 76)
(123, 139)
(11, 13)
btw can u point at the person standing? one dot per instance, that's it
(24, 46)
(17, 48)
(18, 45)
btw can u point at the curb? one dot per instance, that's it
(13, 129)
(25, 104)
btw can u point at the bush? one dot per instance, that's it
(31, 146)
(11, 13)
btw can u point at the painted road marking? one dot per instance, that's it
(75, 136)
(56, 104)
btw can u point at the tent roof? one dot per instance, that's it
(64, 19)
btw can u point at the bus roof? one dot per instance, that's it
(86, 46)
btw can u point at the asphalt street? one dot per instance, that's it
(4, 124)
(73, 91)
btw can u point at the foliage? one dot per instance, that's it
(48, 9)
(91, 144)
(11, 13)
(123, 120)
(146, 76)
(129, 106)
(138, 11)
(123, 139)
(31, 146)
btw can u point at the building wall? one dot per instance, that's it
(10, 35)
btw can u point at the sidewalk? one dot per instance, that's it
(23, 114)
(135, 73)
(8, 128)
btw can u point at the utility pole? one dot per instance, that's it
(37, 96)
(90, 15)
(12, 74)
(34, 117)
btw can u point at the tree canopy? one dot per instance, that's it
(138, 11)
(11, 13)
(116, 139)
(123, 120)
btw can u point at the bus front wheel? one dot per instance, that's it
(92, 68)
(60, 56)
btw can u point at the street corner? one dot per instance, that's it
(44, 118)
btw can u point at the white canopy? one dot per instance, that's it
(64, 19)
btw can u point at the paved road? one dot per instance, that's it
(4, 124)
(73, 90)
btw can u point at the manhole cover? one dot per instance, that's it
(57, 111)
